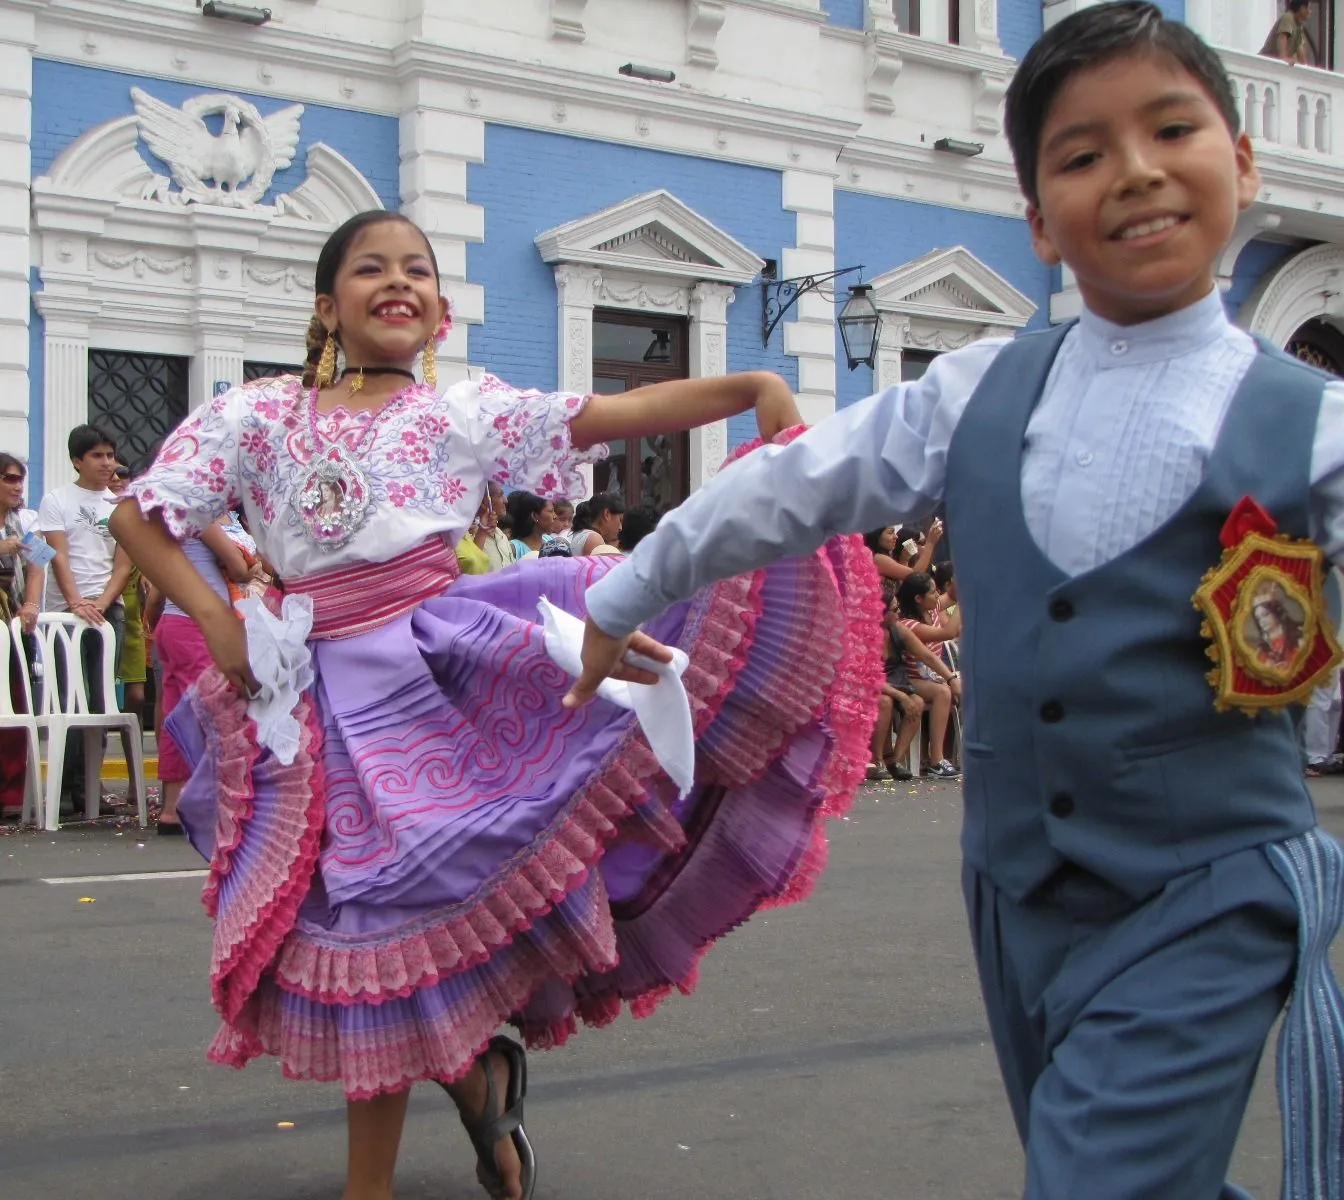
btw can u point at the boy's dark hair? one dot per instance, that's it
(1296, 5)
(84, 438)
(1090, 38)
(636, 525)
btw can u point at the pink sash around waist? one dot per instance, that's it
(362, 596)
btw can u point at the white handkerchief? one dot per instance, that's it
(277, 651)
(663, 709)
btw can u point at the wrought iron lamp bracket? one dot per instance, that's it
(780, 295)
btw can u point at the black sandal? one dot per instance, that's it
(487, 1129)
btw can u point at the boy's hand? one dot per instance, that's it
(604, 658)
(87, 611)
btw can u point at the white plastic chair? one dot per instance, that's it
(66, 707)
(11, 638)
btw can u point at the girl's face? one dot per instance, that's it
(546, 518)
(608, 526)
(929, 600)
(120, 478)
(386, 304)
(887, 540)
(11, 486)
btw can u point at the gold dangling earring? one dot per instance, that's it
(429, 365)
(326, 365)
(357, 383)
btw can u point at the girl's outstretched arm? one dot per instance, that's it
(687, 404)
(154, 550)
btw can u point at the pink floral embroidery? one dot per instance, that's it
(401, 493)
(452, 490)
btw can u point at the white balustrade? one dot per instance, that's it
(1286, 106)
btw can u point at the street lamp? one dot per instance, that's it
(860, 324)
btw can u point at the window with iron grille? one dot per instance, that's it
(138, 399)
(268, 370)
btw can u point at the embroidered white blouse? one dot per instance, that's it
(424, 459)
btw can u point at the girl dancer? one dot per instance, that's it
(451, 848)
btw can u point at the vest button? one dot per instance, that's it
(1061, 609)
(1052, 712)
(1061, 805)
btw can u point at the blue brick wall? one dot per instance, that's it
(532, 181)
(1020, 23)
(1253, 263)
(1173, 10)
(36, 383)
(847, 13)
(884, 233)
(70, 100)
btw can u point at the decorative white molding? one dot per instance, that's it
(704, 19)
(653, 228)
(942, 301)
(1309, 285)
(650, 253)
(882, 61)
(124, 268)
(1251, 224)
(809, 333)
(567, 20)
(233, 168)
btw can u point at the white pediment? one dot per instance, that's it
(952, 285)
(654, 234)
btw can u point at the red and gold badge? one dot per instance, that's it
(1264, 608)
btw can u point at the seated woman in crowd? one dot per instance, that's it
(917, 612)
(597, 525)
(900, 647)
(898, 554)
(532, 520)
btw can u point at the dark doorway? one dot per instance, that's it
(1321, 345)
(631, 350)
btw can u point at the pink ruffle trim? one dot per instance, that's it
(253, 918)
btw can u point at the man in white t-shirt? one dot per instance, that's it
(89, 572)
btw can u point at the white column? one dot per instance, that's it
(890, 341)
(18, 36)
(979, 25)
(809, 334)
(65, 392)
(436, 145)
(1067, 303)
(709, 357)
(1057, 10)
(225, 240)
(576, 292)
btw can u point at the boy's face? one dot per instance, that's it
(1139, 183)
(95, 469)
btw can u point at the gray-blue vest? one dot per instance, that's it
(1090, 735)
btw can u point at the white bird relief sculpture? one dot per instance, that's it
(234, 168)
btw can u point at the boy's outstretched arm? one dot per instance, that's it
(877, 462)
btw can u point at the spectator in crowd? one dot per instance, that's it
(183, 654)
(898, 554)
(533, 519)
(597, 525)
(636, 525)
(471, 555)
(132, 664)
(1320, 722)
(901, 648)
(564, 519)
(89, 573)
(497, 545)
(1288, 39)
(917, 602)
(20, 596)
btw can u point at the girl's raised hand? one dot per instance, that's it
(776, 409)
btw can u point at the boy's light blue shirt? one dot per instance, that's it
(1115, 446)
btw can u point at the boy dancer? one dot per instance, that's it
(1143, 873)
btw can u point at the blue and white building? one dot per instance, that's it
(168, 176)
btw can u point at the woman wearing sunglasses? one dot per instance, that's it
(20, 596)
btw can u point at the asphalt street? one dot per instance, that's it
(834, 1050)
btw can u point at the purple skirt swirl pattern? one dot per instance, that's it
(488, 856)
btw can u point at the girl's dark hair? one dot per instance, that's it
(912, 587)
(524, 509)
(329, 262)
(8, 460)
(1096, 35)
(873, 539)
(942, 575)
(639, 522)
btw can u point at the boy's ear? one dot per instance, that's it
(1248, 174)
(1040, 239)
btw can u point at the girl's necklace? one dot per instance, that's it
(335, 497)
